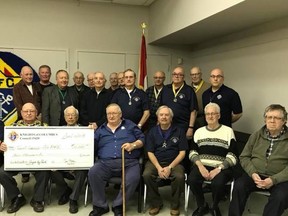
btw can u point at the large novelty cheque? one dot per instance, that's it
(48, 148)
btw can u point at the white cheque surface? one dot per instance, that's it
(48, 148)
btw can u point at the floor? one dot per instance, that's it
(256, 203)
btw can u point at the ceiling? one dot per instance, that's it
(232, 21)
(125, 2)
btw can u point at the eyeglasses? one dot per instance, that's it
(273, 118)
(211, 114)
(28, 111)
(217, 76)
(112, 114)
(70, 114)
(196, 74)
(177, 75)
(158, 77)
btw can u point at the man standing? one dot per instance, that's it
(56, 99)
(113, 79)
(227, 98)
(166, 145)
(110, 139)
(93, 105)
(132, 100)
(154, 95)
(120, 77)
(181, 98)
(79, 86)
(199, 86)
(90, 77)
(29, 114)
(26, 91)
(213, 154)
(265, 161)
(44, 73)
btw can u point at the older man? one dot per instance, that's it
(110, 139)
(213, 154)
(71, 115)
(56, 99)
(120, 77)
(265, 161)
(199, 86)
(113, 79)
(227, 98)
(93, 105)
(26, 91)
(29, 114)
(90, 77)
(181, 98)
(44, 73)
(79, 86)
(166, 145)
(132, 100)
(154, 95)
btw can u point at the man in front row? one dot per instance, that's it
(213, 154)
(166, 145)
(29, 115)
(265, 161)
(110, 139)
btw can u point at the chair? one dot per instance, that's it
(163, 183)
(2, 197)
(260, 192)
(231, 183)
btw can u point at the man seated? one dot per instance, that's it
(71, 116)
(110, 138)
(265, 161)
(29, 115)
(213, 154)
(166, 145)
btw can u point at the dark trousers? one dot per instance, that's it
(10, 184)
(243, 186)
(80, 176)
(177, 178)
(195, 181)
(103, 170)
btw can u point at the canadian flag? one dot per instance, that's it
(142, 78)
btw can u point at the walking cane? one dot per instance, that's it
(123, 182)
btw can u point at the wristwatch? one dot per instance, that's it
(139, 125)
(170, 167)
(134, 146)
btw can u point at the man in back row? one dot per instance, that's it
(227, 98)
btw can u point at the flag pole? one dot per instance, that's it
(142, 75)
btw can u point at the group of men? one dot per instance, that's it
(174, 116)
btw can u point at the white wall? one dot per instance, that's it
(255, 65)
(168, 16)
(73, 26)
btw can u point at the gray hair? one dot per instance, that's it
(214, 105)
(273, 107)
(162, 107)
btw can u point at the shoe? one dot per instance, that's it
(16, 204)
(200, 211)
(215, 211)
(118, 210)
(174, 212)
(98, 211)
(37, 206)
(73, 206)
(155, 210)
(25, 178)
(65, 196)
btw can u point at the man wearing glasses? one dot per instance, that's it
(265, 161)
(181, 98)
(227, 98)
(199, 86)
(154, 95)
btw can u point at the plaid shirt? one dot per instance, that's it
(153, 103)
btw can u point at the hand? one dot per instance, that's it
(204, 172)
(189, 133)
(3, 147)
(93, 125)
(214, 173)
(128, 147)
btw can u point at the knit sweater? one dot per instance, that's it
(214, 147)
